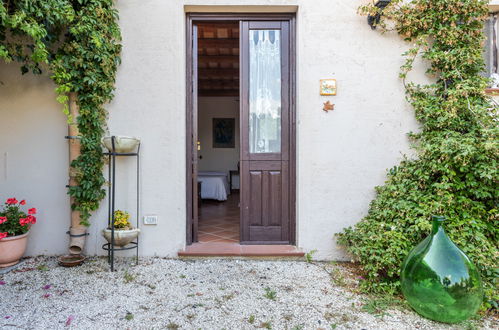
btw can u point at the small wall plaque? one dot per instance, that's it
(328, 86)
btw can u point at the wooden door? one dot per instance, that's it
(192, 135)
(265, 132)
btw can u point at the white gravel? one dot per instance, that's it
(192, 294)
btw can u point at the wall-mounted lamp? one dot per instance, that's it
(373, 20)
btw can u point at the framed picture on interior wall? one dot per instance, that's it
(328, 86)
(224, 132)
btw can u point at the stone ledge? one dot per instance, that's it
(237, 250)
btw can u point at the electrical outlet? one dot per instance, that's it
(150, 219)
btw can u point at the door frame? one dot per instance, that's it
(191, 116)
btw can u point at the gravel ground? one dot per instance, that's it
(196, 294)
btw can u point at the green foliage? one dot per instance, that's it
(127, 277)
(309, 256)
(456, 171)
(78, 42)
(270, 294)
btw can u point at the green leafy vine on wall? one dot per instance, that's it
(78, 42)
(455, 173)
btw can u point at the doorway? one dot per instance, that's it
(240, 129)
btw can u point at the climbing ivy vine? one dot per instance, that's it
(78, 42)
(455, 173)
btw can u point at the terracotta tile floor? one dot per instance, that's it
(218, 234)
(219, 221)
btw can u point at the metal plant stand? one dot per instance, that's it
(110, 247)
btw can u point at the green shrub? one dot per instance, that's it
(456, 170)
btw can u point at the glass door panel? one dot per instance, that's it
(265, 91)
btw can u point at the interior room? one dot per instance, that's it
(218, 132)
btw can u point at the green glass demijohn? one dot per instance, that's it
(439, 281)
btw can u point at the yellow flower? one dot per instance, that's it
(121, 219)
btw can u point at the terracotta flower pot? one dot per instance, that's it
(12, 249)
(121, 237)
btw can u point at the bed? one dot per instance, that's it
(214, 185)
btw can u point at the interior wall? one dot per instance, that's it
(217, 159)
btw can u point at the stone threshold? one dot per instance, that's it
(225, 249)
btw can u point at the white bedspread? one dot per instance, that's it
(214, 185)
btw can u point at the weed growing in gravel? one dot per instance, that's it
(298, 327)
(337, 277)
(375, 306)
(468, 325)
(190, 317)
(309, 255)
(266, 325)
(333, 325)
(172, 326)
(228, 297)
(42, 268)
(339, 317)
(270, 294)
(128, 277)
(251, 319)
(182, 276)
(128, 316)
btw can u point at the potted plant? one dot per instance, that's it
(14, 230)
(124, 233)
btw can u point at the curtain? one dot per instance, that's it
(265, 91)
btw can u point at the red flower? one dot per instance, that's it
(11, 201)
(2, 220)
(3, 235)
(31, 219)
(23, 221)
(22, 202)
(32, 211)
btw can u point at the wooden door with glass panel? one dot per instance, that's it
(265, 132)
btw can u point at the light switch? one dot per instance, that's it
(150, 220)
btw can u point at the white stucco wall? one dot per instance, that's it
(34, 155)
(342, 155)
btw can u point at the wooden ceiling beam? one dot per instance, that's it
(219, 72)
(214, 92)
(218, 43)
(218, 58)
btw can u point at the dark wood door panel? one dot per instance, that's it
(265, 234)
(265, 200)
(265, 176)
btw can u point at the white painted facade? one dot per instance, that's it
(341, 155)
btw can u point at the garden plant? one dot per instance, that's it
(77, 41)
(455, 170)
(13, 220)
